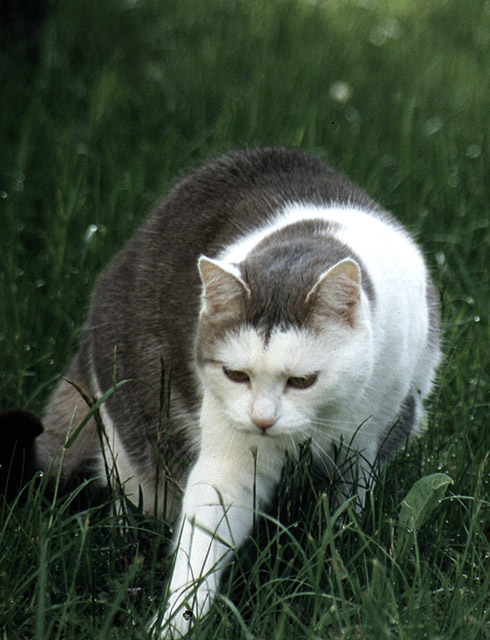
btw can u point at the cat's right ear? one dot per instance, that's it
(223, 289)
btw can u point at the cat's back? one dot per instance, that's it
(235, 194)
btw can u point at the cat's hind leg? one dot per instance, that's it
(54, 452)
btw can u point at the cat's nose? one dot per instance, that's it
(264, 413)
(263, 423)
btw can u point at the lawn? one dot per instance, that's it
(103, 105)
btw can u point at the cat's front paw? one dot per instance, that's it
(181, 613)
(173, 625)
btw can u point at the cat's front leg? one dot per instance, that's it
(217, 517)
(210, 530)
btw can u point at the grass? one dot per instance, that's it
(101, 109)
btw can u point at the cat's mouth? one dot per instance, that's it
(264, 432)
(273, 431)
(251, 429)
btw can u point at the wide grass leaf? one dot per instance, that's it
(421, 500)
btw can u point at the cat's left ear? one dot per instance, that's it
(223, 289)
(337, 292)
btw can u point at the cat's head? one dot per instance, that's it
(281, 362)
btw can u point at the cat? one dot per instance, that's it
(267, 301)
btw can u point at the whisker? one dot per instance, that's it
(327, 461)
(333, 433)
(346, 427)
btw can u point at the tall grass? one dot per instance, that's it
(115, 101)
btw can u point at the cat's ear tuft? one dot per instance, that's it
(337, 293)
(223, 289)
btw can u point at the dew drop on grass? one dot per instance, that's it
(377, 36)
(473, 151)
(82, 149)
(390, 28)
(3, 195)
(432, 126)
(476, 319)
(340, 91)
(91, 231)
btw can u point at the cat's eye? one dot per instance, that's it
(236, 376)
(302, 382)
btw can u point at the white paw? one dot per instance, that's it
(181, 613)
(171, 626)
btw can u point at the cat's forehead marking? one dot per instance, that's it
(292, 350)
(310, 239)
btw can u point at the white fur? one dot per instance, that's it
(364, 373)
(217, 513)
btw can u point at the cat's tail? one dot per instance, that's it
(18, 432)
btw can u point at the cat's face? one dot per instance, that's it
(290, 383)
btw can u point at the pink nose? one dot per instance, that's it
(263, 423)
(264, 412)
